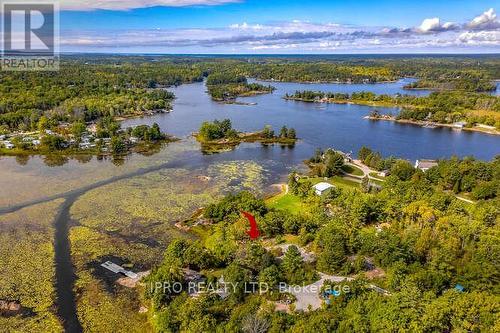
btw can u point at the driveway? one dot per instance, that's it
(309, 295)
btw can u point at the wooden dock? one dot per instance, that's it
(119, 269)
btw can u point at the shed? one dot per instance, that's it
(322, 187)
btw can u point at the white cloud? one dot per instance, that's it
(430, 25)
(485, 21)
(86, 5)
(480, 38)
(450, 26)
(246, 26)
(300, 35)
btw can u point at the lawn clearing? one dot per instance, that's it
(287, 202)
(352, 170)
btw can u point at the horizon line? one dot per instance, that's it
(277, 54)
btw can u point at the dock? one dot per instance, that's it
(119, 269)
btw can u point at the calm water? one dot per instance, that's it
(322, 125)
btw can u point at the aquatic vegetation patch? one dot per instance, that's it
(27, 268)
(239, 175)
(99, 307)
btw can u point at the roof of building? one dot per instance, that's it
(322, 186)
(426, 164)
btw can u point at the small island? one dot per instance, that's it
(220, 136)
(226, 87)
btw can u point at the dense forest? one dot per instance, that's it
(85, 91)
(445, 73)
(435, 258)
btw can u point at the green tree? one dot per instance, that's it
(284, 132)
(333, 163)
(155, 132)
(293, 265)
(118, 145)
(239, 279)
(402, 169)
(43, 124)
(486, 190)
(365, 184)
(53, 142)
(331, 241)
(270, 276)
(78, 128)
(364, 152)
(293, 184)
(268, 132)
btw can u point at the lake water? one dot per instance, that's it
(322, 125)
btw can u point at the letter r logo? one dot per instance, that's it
(28, 28)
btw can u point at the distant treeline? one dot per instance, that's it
(81, 91)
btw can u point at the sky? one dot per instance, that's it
(279, 27)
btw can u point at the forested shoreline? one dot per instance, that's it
(443, 107)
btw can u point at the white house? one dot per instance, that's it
(321, 188)
(425, 165)
(86, 145)
(119, 269)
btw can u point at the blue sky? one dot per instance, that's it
(253, 26)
